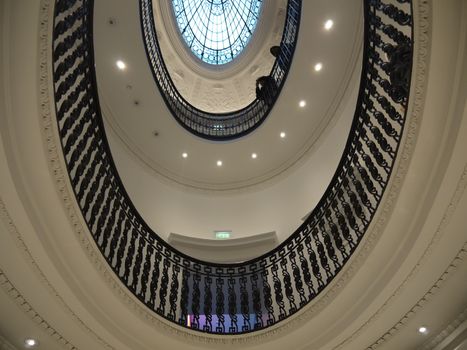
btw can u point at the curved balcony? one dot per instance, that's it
(253, 295)
(223, 126)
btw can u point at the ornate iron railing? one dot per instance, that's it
(221, 126)
(249, 296)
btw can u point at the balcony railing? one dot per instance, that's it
(221, 126)
(249, 296)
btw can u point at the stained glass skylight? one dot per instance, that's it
(217, 31)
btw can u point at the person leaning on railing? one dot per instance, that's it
(266, 88)
(266, 85)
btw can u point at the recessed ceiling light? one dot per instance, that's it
(30, 343)
(121, 65)
(328, 24)
(423, 330)
(219, 163)
(302, 103)
(254, 155)
(318, 66)
(185, 155)
(282, 135)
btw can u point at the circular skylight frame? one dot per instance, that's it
(216, 31)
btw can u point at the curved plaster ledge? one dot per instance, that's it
(415, 241)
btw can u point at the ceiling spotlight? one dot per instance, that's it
(328, 24)
(185, 155)
(282, 135)
(219, 163)
(302, 103)
(318, 67)
(121, 65)
(423, 330)
(254, 155)
(30, 343)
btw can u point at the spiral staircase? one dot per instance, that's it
(91, 189)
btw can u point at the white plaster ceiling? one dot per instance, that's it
(324, 91)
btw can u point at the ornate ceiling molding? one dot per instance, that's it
(445, 334)
(423, 301)
(26, 307)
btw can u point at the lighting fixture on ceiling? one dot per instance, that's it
(282, 135)
(302, 103)
(328, 24)
(318, 66)
(219, 163)
(254, 155)
(30, 343)
(121, 65)
(423, 330)
(185, 155)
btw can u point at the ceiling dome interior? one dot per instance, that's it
(216, 31)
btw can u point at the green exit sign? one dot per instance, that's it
(222, 234)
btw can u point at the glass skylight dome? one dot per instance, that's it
(216, 31)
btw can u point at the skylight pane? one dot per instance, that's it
(216, 31)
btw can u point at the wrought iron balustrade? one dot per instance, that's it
(222, 126)
(249, 296)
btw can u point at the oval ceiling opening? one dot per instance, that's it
(216, 31)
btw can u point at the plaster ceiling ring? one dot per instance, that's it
(294, 152)
(64, 189)
(267, 179)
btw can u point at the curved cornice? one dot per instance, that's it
(446, 333)
(26, 307)
(422, 302)
(266, 180)
(271, 177)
